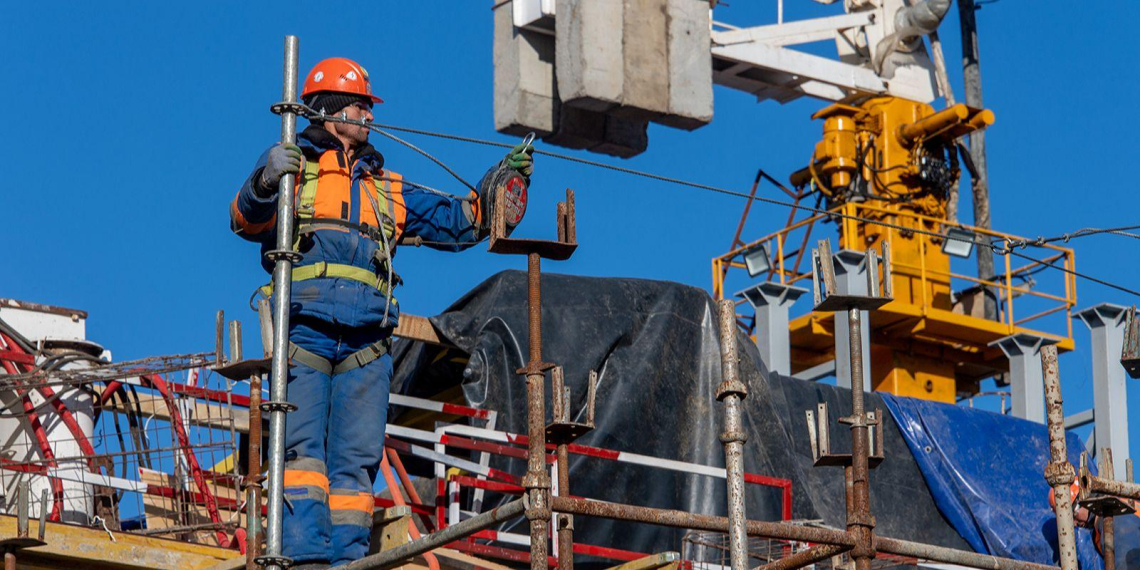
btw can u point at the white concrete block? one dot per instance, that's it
(588, 53)
(525, 98)
(690, 65)
(645, 91)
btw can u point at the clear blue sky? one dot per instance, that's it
(130, 127)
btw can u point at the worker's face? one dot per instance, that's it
(355, 134)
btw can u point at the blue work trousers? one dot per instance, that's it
(333, 444)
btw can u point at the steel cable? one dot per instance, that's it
(1005, 249)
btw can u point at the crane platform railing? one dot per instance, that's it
(789, 253)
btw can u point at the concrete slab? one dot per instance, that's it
(624, 137)
(645, 51)
(525, 98)
(690, 65)
(588, 53)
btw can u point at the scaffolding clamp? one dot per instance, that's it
(819, 433)
(561, 430)
(826, 291)
(1130, 352)
(1100, 504)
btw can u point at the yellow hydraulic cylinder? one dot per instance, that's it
(936, 123)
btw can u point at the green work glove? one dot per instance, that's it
(521, 159)
(283, 159)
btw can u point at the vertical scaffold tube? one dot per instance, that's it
(732, 392)
(565, 527)
(282, 288)
(537, 481)
(1059, 472)
(859, 520)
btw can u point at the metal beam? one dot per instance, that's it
(851, 279)
(1110, 392)
(772, 302)
(849, 78)
(1079, 419)
(792, 33)
(1027, 387)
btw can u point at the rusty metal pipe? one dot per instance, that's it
(732, 392)
(860, 523)
(942, 120)
(805, 557)
(952, 556)
(686, 520)
(1059, 472)
(401, 554)
(253, 477)
(9, 560)
(536, 481)
(565, 526)
(785, 531)
(1112, 487)
(1108, 542)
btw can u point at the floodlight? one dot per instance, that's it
(958, 242)
(756, 260)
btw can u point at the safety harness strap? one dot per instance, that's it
(326, 269)
(358, 359)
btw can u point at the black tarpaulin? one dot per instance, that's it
(655, 347)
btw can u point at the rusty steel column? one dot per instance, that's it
(732, 392)
(536, 481)
(860, 523)
(253, 476)
(805, 558)
(565, 522)
(1059, 472)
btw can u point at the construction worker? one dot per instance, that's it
(350, 214)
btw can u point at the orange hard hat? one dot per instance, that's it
(339, 75)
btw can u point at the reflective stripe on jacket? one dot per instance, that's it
(340, 196)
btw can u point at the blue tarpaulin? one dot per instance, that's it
(985, 472)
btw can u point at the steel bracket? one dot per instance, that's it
(289, 107)
(276, 255)
(267, 560)
(826, 292)
(558, 250)
(275, 406)
(562, 430)
(1130, 353)
(1097, 503)
(238, 370)
(819, 433)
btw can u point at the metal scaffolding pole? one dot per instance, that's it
(402, 554)
(536, 481)
(1059, 472)
(283, 257)
(860, 523)
(972, 73)
(733, 392)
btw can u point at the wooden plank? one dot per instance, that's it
(413, 327)
(204, 413)
(160, 511)
(666, 560)
(69, 547)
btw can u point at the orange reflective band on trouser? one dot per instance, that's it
(351, 508)
(355, 502)
(298, 478)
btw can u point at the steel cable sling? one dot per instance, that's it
(1006, 248)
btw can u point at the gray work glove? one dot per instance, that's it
(283, 159)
